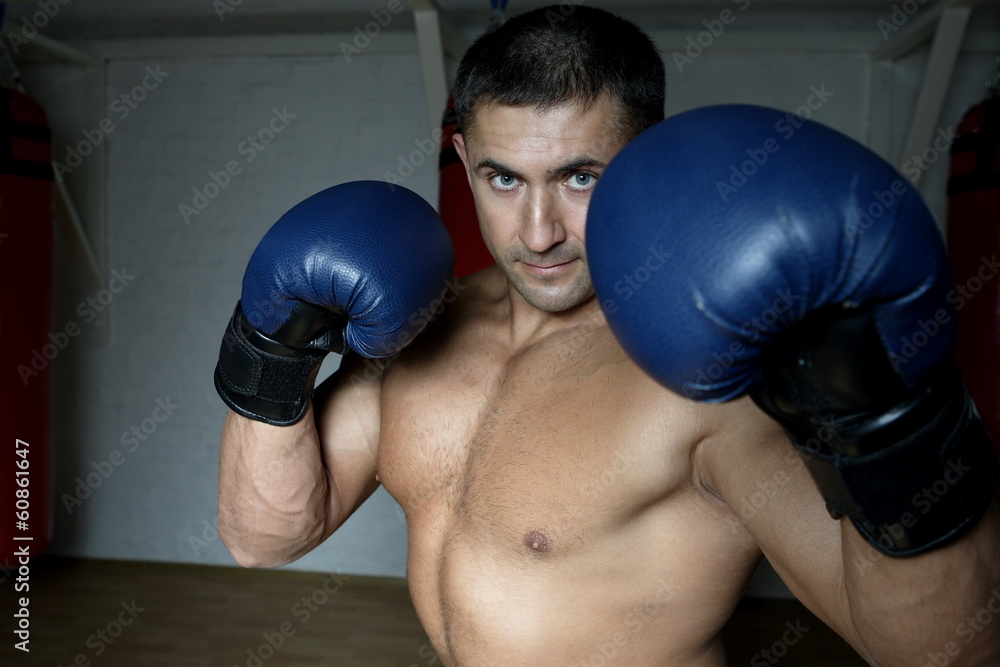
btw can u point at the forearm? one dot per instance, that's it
(273, 490)
(935, 608)
(336, 273)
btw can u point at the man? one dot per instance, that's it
(563, 507)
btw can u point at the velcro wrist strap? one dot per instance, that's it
(262, 379)
(917, 492)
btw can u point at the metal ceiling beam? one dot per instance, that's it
(944, 23)
(427, 18)
(934, 89)
(436, 39)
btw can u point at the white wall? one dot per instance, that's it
(352, 121)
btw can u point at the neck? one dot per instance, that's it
(528, 323)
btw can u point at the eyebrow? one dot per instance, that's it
(569, 167)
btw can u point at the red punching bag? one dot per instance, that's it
(27, 341)
(974, 248)
(456, 205)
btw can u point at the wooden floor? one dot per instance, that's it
(124, 614)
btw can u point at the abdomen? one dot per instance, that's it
(631, 597)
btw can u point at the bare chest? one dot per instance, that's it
(540, 450)
(562, 473)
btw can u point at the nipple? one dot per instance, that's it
(536, 541)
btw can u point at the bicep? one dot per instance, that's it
(754, 469)
(347, 413)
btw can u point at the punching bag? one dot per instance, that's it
(974, 248)
(28, 343)
(456, 205)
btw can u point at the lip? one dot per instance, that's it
(547, 270)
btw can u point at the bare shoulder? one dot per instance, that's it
(751, 465)
(748, 461)
(742, 442)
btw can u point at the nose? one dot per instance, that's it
(542, 221)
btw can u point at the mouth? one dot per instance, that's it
(549, 269)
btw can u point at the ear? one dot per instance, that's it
(463, 155)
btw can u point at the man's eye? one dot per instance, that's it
(582, 181)
(503, 181)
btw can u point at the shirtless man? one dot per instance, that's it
(563, 507)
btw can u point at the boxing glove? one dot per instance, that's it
(353, 267)
(738, 249)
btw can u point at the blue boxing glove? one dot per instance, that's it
(804, 270)
(354, 267)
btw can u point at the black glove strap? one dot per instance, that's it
(913, 493)
(262, 379)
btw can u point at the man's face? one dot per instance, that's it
(532, 173)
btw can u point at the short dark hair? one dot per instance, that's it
(564, 53)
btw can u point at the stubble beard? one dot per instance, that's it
(553, 297)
